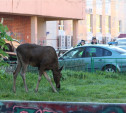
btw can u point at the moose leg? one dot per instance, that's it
(39, 79)
(24, 68)
(49, 80)
(18, 68)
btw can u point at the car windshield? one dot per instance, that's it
(75, 53)
(119, 50)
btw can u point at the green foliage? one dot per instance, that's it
(2, 74)
(3, 37)
(76, 74)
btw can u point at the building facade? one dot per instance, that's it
(122, 16)
(27, 20)
(102, 20)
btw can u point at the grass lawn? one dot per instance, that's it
(75, 87)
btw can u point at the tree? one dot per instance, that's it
(3, 36)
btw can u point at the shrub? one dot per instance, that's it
(3, 36)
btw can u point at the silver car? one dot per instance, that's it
(95, 57)
(121, 41)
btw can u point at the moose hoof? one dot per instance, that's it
(36, 90)
(58, 89)
(26, 90)
(14, 91)
(55, 91)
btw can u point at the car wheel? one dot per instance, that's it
(110, 68)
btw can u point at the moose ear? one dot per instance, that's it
(61, 68)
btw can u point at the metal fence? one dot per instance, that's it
(117, 64)
(106, 64)
(96, 64)
(12, 66)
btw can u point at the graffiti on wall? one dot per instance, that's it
(50, 107)
(18, 36)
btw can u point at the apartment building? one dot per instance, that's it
(102, 20)
(122, 16)
(26, 19)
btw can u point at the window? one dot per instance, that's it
(107, 24)
(99, 6)
(120, 26)
(107, 7)
(98, 23)
(90, 22)
(75, 53)
(89, 4)
(96, 52)
(90, 52)
(61, 25)
(107, 53)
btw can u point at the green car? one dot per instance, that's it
(94, 57)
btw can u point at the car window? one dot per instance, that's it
(96, 52)
(75, 53)
(90, 52)
(106, 52)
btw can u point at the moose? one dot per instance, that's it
(43, 57)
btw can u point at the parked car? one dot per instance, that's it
(120, 41)
(123, 47)
(95, 57)
(60, 52)
(112, 43)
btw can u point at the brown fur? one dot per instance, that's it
(43, 57)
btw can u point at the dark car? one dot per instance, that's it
(12, 45)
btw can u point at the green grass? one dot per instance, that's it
(75, 87)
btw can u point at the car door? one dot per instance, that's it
(73, 59)
(94, 56)
(89, 54)
(97, 57)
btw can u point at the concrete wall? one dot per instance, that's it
(51, 33)
(41, 31)
(114, 18)
(53, 8)
(122, 15)
(59, 107)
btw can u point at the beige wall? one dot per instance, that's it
(52, 33)
(72, 9)
(122, 15)
(83, 28)
(114, 19)
(41, 39)
(34, 29)
(41, 11)
(38, 30)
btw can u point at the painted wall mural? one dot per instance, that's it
(59, 107)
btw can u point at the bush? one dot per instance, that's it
(2, 74)
(3, 37)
